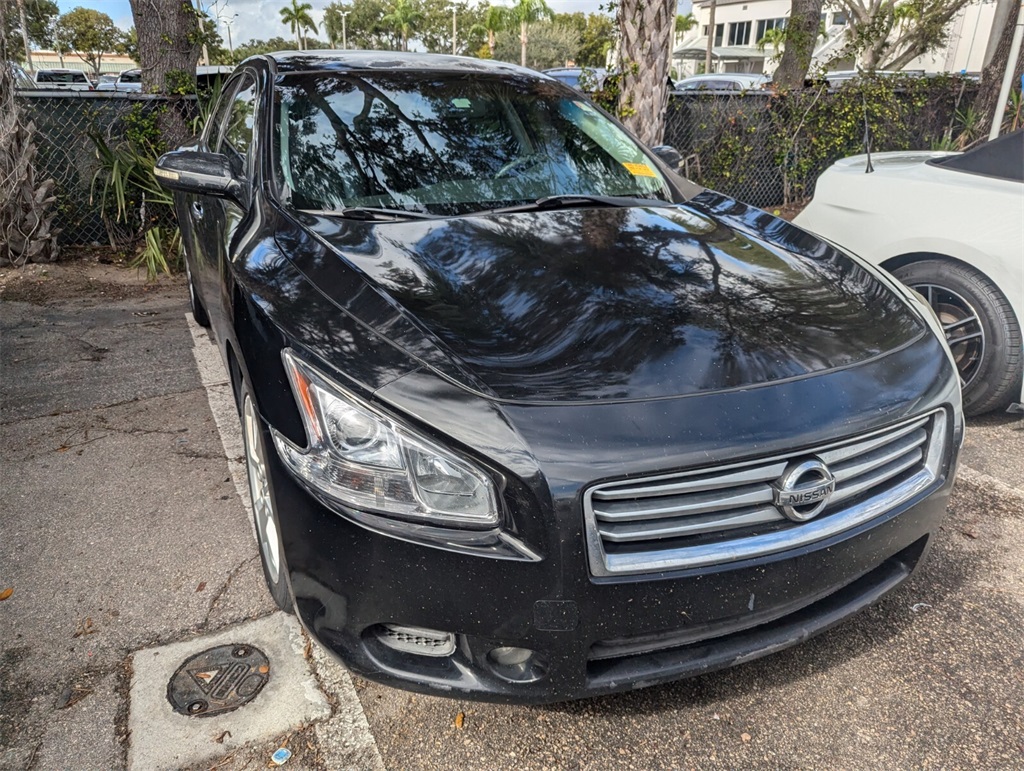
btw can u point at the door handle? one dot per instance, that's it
(197, 209)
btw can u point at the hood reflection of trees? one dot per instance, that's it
(580, 300)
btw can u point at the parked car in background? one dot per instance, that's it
(527, 416)
(131, 80)
(725, 81)
(63, 80)
(21, 78)
(209, 78)
(128, 81)
(583, 79)
(105, 78)
(951, 226)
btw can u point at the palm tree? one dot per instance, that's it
(496, 19)
(527, 12)
(297, 17)
(646, 28)
(404, 18)
(774, 38)
(684, 23)
(334, 22)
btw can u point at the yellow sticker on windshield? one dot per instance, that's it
(640, 170)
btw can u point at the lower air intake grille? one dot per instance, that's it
(413, 639)
(740, 511)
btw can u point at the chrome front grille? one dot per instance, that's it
(725, 514)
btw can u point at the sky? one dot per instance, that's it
(260, 18)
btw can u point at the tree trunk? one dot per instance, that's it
(24, 34)
(801, 35)
(26, 205)
(405, 40)
(522, 43)
(645, 28)
(491, 41)
(168, 43)
(992, 75)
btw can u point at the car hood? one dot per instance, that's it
(606, 304)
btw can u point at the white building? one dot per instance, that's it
(741, 24)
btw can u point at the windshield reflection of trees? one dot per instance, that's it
(446, 143)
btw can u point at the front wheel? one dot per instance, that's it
(981, 330)
(264, 511)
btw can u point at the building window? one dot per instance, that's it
(719, 32)
(764, 25)
(739, 33)
(839, 19)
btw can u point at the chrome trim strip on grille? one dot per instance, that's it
(692, 526)
(870, 461)
(638, 489)
(695, 504)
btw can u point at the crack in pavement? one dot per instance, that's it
(223, 589)
(61, 412)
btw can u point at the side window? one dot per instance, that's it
(236, 130)
(216, 119)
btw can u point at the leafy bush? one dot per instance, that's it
(130, 194)
(128, 191)
(769, 149)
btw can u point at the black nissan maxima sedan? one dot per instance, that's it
(528, 416)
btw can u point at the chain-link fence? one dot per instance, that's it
(768, 150)
(761, 148)
(66, 123)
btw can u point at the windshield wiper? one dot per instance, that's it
(577, 201)
(371, 214)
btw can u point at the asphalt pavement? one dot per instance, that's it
(125, 536)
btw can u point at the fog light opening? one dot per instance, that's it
(510, 657)
(518, 665)
(416, 640)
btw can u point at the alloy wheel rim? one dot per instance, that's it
(962, 326)
(259, 492)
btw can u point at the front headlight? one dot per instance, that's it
(365, 460)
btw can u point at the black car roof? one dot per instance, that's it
(302, 61)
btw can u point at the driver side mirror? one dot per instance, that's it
(668, 155)
(189, 171)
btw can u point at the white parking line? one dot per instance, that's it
(346, 741)
(222, 404)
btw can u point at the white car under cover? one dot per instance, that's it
(951, 226)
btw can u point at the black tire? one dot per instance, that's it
(268, 538)
(198, 309)
(989, 362)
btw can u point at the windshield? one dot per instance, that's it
(447, 143)
(44, 76)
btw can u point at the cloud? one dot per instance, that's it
(260, 19)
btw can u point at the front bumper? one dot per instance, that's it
(589, 636)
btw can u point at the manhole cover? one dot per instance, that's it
(218, 680)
